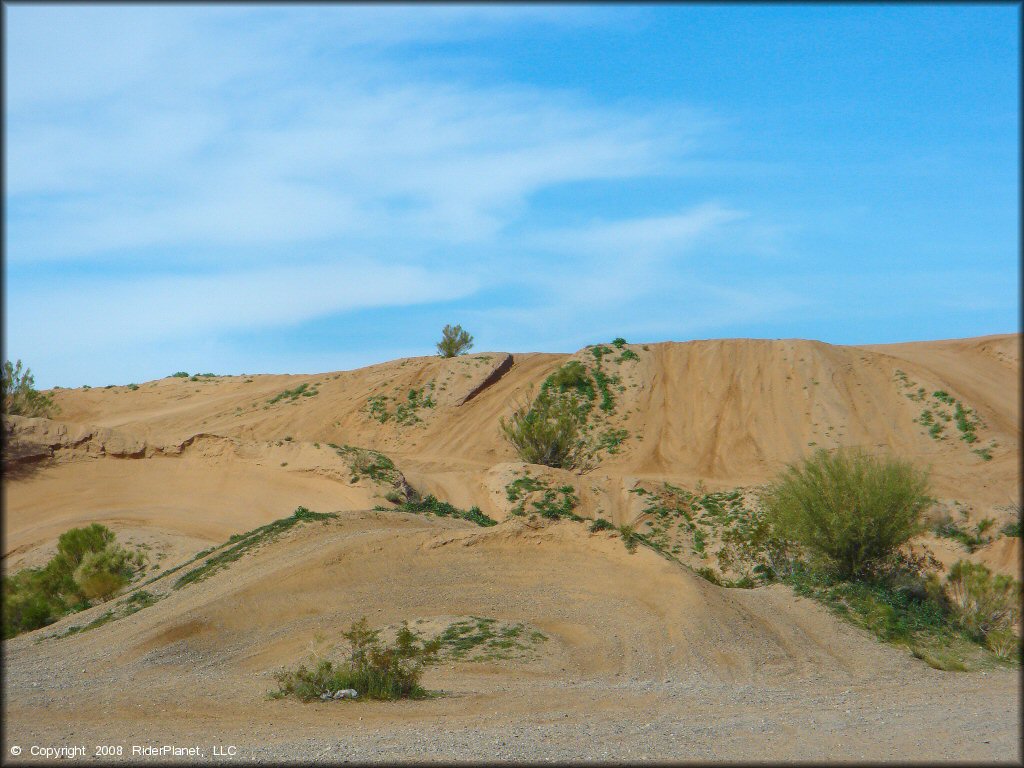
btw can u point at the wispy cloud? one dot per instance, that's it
(676, 233)
(212, 170)
(110, 312)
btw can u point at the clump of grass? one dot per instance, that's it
(966, 423)
(982, 603)
(430, 505)
(572, 377)
(600, 524)
(242, 544)
(364, 462)
(405, 413)
(627, 354)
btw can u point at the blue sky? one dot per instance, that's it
(273, 189)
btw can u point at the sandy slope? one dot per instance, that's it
(635, 641)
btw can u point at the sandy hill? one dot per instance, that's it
(727, 413)
(180, 464)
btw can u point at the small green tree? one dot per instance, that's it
(849, 509)
(547, 431)
(20, 395)
(454, 341)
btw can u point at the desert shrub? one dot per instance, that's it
(28, 604)
(454, 341)
(20, 396)
(629, 537)
(1004, 643)
(600, 524)
(74, 545)
(547, 431)
(89, 565)
(571, 376)
(373, 669)
(849, 509)
(982, 603)
(101, 574)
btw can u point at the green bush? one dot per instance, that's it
(454, 341)
(547, 431)
(571, 376)
(20, 395)
(373, 669)
(983, 603)
(28, 604)
(89, 565)
(600, 524)
(850, 510)
(101, 574)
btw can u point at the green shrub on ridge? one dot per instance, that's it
(849, 509)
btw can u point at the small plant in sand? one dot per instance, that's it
(454, 341)
(849, 509)
(373, 669)
(20, 396)
(547, 431)
(629, 537)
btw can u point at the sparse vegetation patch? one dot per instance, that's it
(302, 390)
(550, 503)
(241, 544)
(431, 506)
(405, 410)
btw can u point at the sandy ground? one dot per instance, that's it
(644, 659)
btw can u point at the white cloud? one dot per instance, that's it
(194, 130)
(645, 236)
(111, 312)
